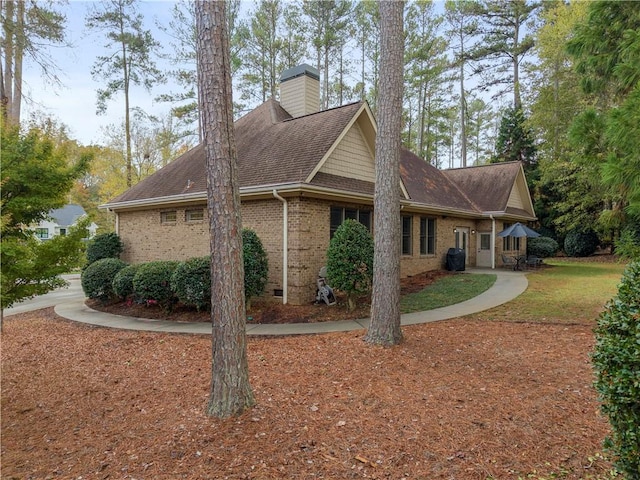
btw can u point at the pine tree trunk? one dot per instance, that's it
(385, 300)
(231, 392)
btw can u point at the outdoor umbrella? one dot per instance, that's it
(518, 230)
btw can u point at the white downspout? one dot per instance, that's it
(493, 242)
(285, 246)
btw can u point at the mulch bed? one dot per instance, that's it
(271, 310)
(459, 399)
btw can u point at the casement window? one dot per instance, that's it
(510, 243)
(168, 217)
(195, 215)
(340, 214)
(427, 236)
(407, 247)
(42, 233)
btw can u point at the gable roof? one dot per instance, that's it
(276, 150)
(67, 215)
(273, 149)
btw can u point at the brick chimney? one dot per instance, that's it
(300, 90)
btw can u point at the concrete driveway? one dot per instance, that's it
(61, 295)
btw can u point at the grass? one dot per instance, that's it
(447, 291)
(564, 292)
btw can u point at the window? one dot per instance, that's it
(407, 220)
(42, 233)
(509, 243)
(196, 215)
(168, 217)
(427, 236)
(63, 232)
(339, 215)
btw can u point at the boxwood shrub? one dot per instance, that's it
(191, 282)
(123, 281)
(152, 282)
(105, 245)
(616, 361)
(97, 278)
(581, 243)
(543, 247)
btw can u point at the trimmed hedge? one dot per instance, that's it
(543, 247)
(152, 282)
(97, 278)
(581, 243)
(123, 281)
(350, 260)
(256, 265)
(616, 362)
(105, 245)
(191, 282)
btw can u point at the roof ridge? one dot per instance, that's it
(358, 102)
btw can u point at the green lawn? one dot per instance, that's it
(447, 291)
(564, 292)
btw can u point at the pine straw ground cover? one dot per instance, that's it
(459, 399)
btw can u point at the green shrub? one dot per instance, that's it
(97, 278)
(350, 260)
(256, 265)
(105, 245)
(616, 361)
(152, 283)
(543, 247)
(581, 243)
(191, 282)
(122, 284)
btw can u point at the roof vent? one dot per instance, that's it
(300, 90)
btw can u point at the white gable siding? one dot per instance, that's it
(351, 157)
(518, 195)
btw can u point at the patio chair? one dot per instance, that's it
(534, 261)
(509, 262)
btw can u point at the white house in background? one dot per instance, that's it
(60, 221)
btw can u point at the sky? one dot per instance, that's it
(74, 102)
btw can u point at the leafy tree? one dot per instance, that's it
(27, 28)
(231, 392)
(616, 361)
(36, 178)
(350, 260)
(385, 299)
(129, 63)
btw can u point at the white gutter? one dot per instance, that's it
(285, 245)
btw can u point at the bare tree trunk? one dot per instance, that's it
(18, 55)
(385, 302)
(231, 392)
(9, 34)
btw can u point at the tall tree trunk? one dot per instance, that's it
(385, 302)
(9, 36)
(231, 392)
(463, 111)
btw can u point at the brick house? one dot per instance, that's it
(301, 173)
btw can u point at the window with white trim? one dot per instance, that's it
(168, 217)
(42, 233)
(194, 215)
(427, 236)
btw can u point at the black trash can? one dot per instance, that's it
(455, 260)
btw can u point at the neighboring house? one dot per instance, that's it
(301, 174)
(60, 221)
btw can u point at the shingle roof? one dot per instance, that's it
(487, 186)
(276, 149)
(427, 185)
(273, 148)
(67, 215)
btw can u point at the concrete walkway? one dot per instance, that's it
(508, 286)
